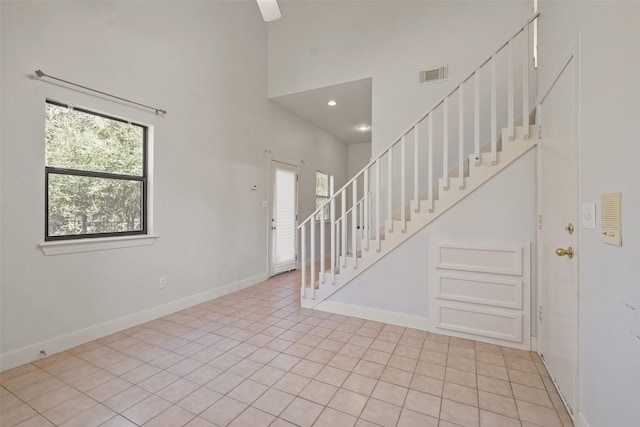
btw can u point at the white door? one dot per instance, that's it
(283, 217)
(558, 233)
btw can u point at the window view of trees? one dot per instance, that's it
(322, 193)
(95, 167)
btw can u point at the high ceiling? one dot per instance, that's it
(353, 109)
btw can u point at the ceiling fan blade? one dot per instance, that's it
(269, 9)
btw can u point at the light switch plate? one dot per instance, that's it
(588, 216)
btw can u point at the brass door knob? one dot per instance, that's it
(562, 252)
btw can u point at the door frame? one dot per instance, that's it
(291, 164)
(570, 60)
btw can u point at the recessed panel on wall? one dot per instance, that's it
(498, 324)
(480, 289)
(481, 258)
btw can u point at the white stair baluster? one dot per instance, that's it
(476, 110)
(461, 137)
(322, 268)
(389, 190)
(343, 224)
(365, 216)
(338, 243)
(354, 222)
(403, 186)
(332, 220)
(494, 115)
(416, 167)
(525, 84)
(377, 224)
(510, 94)
(445, 144)
(312, 256)
(303, 260)
(430, 166)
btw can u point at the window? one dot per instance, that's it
(322, 193)
(95, 174)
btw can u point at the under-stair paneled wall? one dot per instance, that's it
(502, 209)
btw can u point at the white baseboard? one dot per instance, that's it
(375, 314)
(31, 352)
(400, 319)
(581, 421)
(534, 344)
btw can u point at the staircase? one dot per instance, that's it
(430, 167)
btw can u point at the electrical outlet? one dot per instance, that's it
(163, 282)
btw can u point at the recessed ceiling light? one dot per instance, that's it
(332, 103)
(364, 128)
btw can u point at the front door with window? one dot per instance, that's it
(283, 217)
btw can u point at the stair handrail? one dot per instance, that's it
(417, 122)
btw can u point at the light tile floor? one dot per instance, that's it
(255, 358)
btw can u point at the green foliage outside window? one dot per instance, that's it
(322, 193)
(95, 169)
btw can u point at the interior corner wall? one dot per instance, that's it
(317, 44)
(606, 36)
(503, 209)
(206, 64)
(359, 155)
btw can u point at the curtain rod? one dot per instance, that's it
(40, 73)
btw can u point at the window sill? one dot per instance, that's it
(98, 244)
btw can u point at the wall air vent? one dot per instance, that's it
(432, 75)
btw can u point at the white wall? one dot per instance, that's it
(359, 155)
(206, 63)
(609, 95)
(502, 209)
(318, 43)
